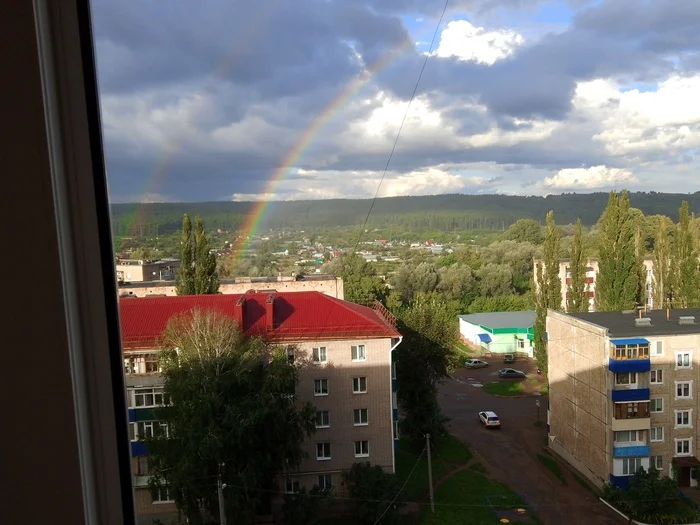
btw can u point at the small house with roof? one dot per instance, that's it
(499, 332)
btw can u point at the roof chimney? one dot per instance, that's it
(238, 310)
(270, 312)
(668, 313)
(686, 319)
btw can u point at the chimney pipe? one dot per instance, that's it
(270, 312)
(238, 310)
(640, 313)
(668, 313)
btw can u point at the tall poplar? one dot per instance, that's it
(684, 262)
(577, 290)
(184, 281)
(206, 278)
(661, 287)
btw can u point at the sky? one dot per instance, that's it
(303, 99)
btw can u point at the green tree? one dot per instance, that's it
(360, 280)
(302, 507)
(495, 279)
(618, 283)
(649, 496)
(184, 280)
(500, 303)
(662, 260)
(685, 262)
(525, 230)
(370, 489)
(577, 290)
(232, 414)
(206, 278)
(539, 300)
(430, 330)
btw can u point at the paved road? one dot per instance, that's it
(510, 454)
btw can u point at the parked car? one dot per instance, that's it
(508, 359)
(476, 363)
(508, 373)
(489, 419)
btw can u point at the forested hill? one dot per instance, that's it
(441, 212)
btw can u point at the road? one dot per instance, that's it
(510, 454)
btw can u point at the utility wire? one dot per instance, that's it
(403, 120)
(401, 489)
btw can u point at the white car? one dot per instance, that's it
(476, 363)
(489, 419)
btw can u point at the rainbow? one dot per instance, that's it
(259, 208)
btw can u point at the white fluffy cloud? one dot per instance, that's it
(465, 41)
(593, 178)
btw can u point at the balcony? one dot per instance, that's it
(631, 416)
(621, 482)
(619, 366)
(630, 395)
(631, 451)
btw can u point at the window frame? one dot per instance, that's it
(656, 433)
(320, 354)
(679, 385)
(651, 405)
(678, 441)
(626, 464)
(364, 448)
(320, 392)
(291, 485)
(359, 390)
(327, 424)
(359, 412)
(323, 445)
(655, 460)
(658, 345)
(681, 412)
(654, 375)
(355, 351)
(326, 484)
(680, 354)
(629, 378)
(159, 492)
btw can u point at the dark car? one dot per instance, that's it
(508, 359)
(508, 373)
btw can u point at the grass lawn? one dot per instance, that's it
(584, 483)
(552, 466)
(464, 348)
(462, 500)
(448, 454)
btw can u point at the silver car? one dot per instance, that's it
(476, 363)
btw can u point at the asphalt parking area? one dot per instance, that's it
(510, 454)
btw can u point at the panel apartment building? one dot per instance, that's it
(351, 382)
(623, 392)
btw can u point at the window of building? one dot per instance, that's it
(629, 436)
(360, 416)
(150, 397)
(323, 451)
(396, 430)
(656, 377)
(659, 348)
(656, 434)
(684, 389)
(142, 466)
(321, 387)
(141, 364)
(521, 344)
(162, 495)
(684, 447)
(361, 449)
(626, 378)
(657, 462)
(323, 419)
(683, 360)
(325, 481)
(320, 354)
(292, 485)
(290, 355)
(146, 429)
(359, 385)
(358, 353)
(657, 405)
(630, 466)
(684, 418)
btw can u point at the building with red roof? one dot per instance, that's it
(357, 416)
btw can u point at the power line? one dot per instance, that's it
(403, 120)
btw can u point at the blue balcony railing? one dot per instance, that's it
(619, 366)
(630, 395)
(622, 482)
(631, 452)
(138, 448)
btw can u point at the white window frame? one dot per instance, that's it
(656, 462)
(636, 434)
(676, 413)
(630, 376)
(682, 384)
(357, 416)
(678, 441)
(681, 355)
(318, 392)
(357, 385)
(654, 376)
(292, 485)
(159, 496)
(321, 448)
(654, 434)
(658, 345)
(520, 344)
(626, 462)
(320, 354)
(327, 423)
(363, 447)
(651, 405)
(141, 363)
(135, 393)
(324, 481)
(358, 353)
(148, 429)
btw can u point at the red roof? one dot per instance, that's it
(296, 316)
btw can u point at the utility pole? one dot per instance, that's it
(430, 474)
(222, 506)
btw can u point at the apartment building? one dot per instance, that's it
(623, 392)
(351, 382)
(591, 278)
(319, 282)
(145, 271)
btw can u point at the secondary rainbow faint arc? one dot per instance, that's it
(306, 138)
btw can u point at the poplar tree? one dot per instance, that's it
(661, 287)
(540, 327)
(684, 263)
(184, 281)
(577, 290)
(206, 279)
(618, 283)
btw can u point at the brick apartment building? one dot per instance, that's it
(622, 392)
(357, 416)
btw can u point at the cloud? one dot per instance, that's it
(593, 178)
(462, 40)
